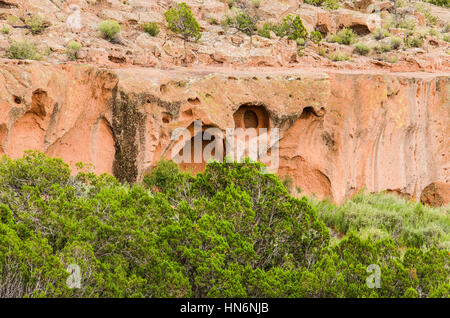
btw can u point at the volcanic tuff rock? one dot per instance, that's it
(340, 130)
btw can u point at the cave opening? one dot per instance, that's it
(250, 116)
(360, 29)
(323, 29)
(201, 147)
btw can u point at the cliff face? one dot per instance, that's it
(340, 130)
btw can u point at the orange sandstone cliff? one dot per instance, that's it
(340, 130)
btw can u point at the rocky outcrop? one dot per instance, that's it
(219, 45)
(340, 130)
(61, 111)
(436, 194)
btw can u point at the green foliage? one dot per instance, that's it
(316, 37)
(380, 34)
(5, 30)
(213, 21)
(380, 215)
(109, 29)
(332, 4)
(23, 51)
(231, 231)
(267, 28)
(243, 22)
(441, 3)
(396, 43)
(413, 41)
(321, 51)
(431, 19)
(339, 56)
(390, 58)
(181, 20)
(290, 26)
(162, 176)
(446, 28)
(383, 48)
(151, 28)
(362, 48)
(73, 47)
(345, 36)
(293, 28)
(446, 38)
(329, 4)
(316, 3)
(407, 24)
(35, 23)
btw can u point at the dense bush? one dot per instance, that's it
(5, 30)
(338, 56)
(413, 41)
(441, 3)
(72, 50)
(35, 24)
(244, 23)
(345, 36)
(362, 48)
(316, 3)
(23, 51)
(109, 29)
(291, 27)
(380, 34)
(230, 231)
(316, 37)
(383, 48)
(267, 28)
(396, 43)
(379, 215)
(151, 28)
(181, 20)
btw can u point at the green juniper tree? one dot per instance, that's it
(230, 231)
(244, 17)
(180, 20)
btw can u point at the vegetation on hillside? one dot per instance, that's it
(230, 231)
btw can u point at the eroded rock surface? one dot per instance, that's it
(340, 130)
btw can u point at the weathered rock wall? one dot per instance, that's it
(340, 130)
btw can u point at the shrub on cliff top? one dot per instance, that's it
(413, 41)
(73, 47)
(151, 28)
(267, 28)
(293, 28)
(441, 3)
(339, 56)
(362, 48)
(242, 22)
(345, 36)
(396, 43)
(316, 37)
(181, 20)
(4, 29)
(109, 29)
(35, 24)
(23, 51)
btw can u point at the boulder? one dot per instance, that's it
(436, 194)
